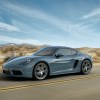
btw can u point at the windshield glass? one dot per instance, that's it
(48, 51)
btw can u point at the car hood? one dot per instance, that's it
(15, 61)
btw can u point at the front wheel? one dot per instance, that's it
(40, 71)
(86, 67)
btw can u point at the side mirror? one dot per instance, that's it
(58, 55)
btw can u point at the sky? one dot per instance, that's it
(72, 23)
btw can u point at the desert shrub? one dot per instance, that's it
(98, 54)
(7, 49)
(6, 59)
(20, 54)
(1, 62)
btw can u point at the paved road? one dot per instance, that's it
(63, 87)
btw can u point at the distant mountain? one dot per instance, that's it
(24, 44)
(8, 44)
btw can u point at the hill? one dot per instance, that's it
(10, 49)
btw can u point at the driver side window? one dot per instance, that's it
(66, 51)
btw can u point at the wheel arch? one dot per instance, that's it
(86, 59)
(82, 63)
(45, 63)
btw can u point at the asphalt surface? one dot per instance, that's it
(62, 87)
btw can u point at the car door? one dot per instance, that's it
(65, 61)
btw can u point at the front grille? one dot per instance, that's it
(6, 72)
(16, 72)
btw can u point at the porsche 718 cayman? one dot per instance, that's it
(48, 61)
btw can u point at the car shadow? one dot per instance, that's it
(19, 79)
(63, 75)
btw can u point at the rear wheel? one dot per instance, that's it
(40, 71)
(86, 67)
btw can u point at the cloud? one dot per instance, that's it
(31, 13)
(9, 39)
(92, 13)
(8, 27)
(25, 18)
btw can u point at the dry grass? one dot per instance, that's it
(93, 52)
(7, 51)
(21, 50)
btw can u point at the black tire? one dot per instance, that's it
(86, 67)
(40, 71)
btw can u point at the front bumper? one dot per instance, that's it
(12, 72)
(17, 72)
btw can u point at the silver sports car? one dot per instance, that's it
(53, 60)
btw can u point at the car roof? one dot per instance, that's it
(59, 47)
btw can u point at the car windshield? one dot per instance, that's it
(48, 51)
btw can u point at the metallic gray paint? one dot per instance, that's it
(61, 65)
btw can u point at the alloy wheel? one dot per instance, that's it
(41, 71)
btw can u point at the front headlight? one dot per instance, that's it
(26, 62)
